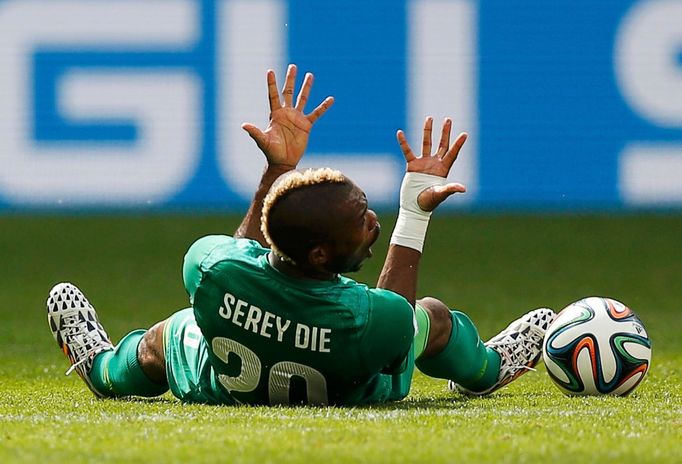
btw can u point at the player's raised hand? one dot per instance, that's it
(438, 163)
(285, 139)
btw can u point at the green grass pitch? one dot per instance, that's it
(492, 267)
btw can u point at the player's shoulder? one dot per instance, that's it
(378, 304)
(356, 304)
(386, 304)
(213, 249)
(360, 294)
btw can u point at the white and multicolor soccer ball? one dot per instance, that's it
(597, 346)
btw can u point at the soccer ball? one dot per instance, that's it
(597, 346)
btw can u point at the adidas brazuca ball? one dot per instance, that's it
(597, 346)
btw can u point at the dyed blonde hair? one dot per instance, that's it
(287, 184)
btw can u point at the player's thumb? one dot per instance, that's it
(449, 189)
(255, 133)
(430, 198)
(443, 192)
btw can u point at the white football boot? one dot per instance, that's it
(519, 346)
(76, 329)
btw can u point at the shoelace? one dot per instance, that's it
(534, 334)
(82, 361)
(80, 349)
(508, 358)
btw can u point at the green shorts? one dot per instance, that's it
(190, 375)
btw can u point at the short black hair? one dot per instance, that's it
(297, 211)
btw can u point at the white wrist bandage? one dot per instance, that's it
(410, 228)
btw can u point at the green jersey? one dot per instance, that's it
(274, 339)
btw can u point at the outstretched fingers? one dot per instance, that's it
(303, 95)
(451, 156)
(405, 147)
(273, 93)
(426, 142)
(289, 84)
(320, 110)
(444, 137)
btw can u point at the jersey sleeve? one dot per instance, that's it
(390, 331)
(208, 250)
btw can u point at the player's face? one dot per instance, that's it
(357, 234)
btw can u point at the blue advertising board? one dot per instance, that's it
(138, 103)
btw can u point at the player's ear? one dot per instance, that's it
(318, 256)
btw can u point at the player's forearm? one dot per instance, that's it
(400, 270)
(399, 273)
(250, 225)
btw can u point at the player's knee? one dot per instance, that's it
(438, 312)
(440, 322)
(150, 354)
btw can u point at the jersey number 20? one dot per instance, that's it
(279, 377)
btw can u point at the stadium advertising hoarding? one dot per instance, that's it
(138, 103)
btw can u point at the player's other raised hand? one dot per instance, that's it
(285, 139)
(438, 163)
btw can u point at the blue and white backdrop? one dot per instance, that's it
(571, 104)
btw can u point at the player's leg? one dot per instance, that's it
(150, 353)
(191, 377)
(132, 367)
(519, 346)
(449, 347)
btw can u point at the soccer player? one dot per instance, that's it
(273, 321)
